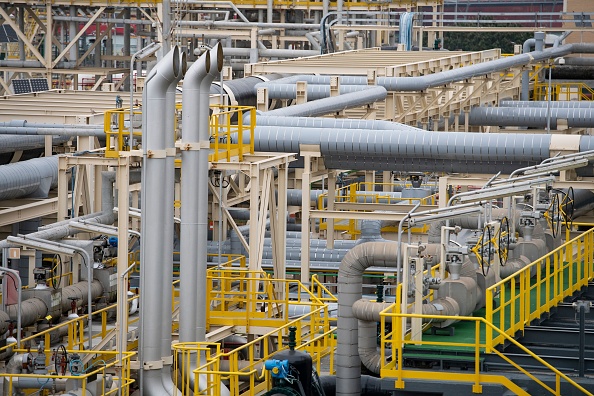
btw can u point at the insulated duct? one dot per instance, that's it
(33, 178)
(154, 175)
(543, 104)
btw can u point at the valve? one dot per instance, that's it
(75, 365)
(73, 314)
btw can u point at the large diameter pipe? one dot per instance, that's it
(350, 278)
(12, 143)
(154, 176)
(62, 132)
(201, 198)
(168, 188)
(33, 178)
(534, 117)
(189, 185)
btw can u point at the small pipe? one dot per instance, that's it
(19, 290)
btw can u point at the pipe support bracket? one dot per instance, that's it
(153, 365)
(195, 146)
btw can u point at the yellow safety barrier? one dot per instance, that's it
(98, 370)
(523, 297)
(227, 132)
(321, 291)
(116, 130)
(395, 340)
(243, 368)
(223, 132)
(252, 300)
(75, 329)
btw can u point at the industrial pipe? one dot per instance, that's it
(153, 215)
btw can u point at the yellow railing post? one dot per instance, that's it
(477, 387)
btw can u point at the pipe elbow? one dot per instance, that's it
(164, 73)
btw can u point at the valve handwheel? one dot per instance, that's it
(553, 214)
(503, 241)
(484, 249)
(568, 207)
(61, 360)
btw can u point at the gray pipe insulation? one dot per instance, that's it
(153, 216)
(12, 143)
(61, 229)
(328, 105)
(532, 117)
(33, 178)
(34, 309)
(543, 104)
(63, 134)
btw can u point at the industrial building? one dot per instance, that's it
(296, 198)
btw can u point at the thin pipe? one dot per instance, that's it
(19, 292)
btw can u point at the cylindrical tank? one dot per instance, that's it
(300, 362)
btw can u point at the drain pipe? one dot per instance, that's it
(153, 216)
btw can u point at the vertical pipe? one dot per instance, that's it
(168, 189)
(189, 190)
(126, 49)
(269, 10)
(21, 16)
(582, 348)
(154, 175)
(216, 64)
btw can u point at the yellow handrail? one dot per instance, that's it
(523, 298)
(109, 364)
(394, 369)
(313, 335)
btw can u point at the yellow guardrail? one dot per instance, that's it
(364, 192)
(223, 132)
(227, 131)
(563, 91)
(117, 130)
(242, 369)
(97, 367)
(523, 298)
(75, 329)
(395, 340)
(247, 299)
(321, 291)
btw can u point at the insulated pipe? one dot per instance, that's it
(534, 117)
(200, 200)
(167, 251)
(350, 278)
(34, 309)
(367, 346)
(12, 143)
(62, 133)
(525, 91)
(25, 123)
(35, 64)
(61, 229)
(418, 151)
(543, 104)
(270, 53)
(189, 189)
(332, 104)
(33, 178)
(153, 216)
(422, 83)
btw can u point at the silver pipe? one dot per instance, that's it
(19, 300)
(10, 144)
(33, 178)
(332, 104)
(533, 117)
(189, 184)
(25, 123)
(201, 198)
(64, 132)
(542, 104)
(219, 4)
(126, 21)
(168, 190)
(153, 216)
